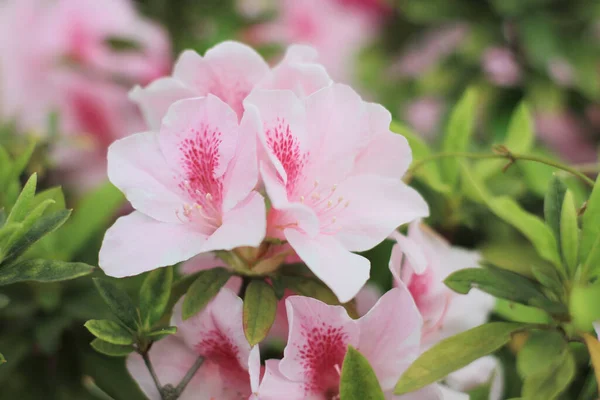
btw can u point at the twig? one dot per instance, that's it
(153, 374)
(188, 376)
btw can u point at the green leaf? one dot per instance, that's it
(161, 333)
(55, 193)
(109, 349)
(548, 278)
(20, 163)
(358, 380)
(204, 288)
(92, 215)
(109, 331)
(43, 226)
(590, 231)
(503, 284)
(260, 309)
(118, 302)
(311, 288)
(516, 312)
(456, 352)
(553, 374)
(553, 203)
(569, 233)
(43, 271)
(540, 348)
(428, 172)
(505, 208)
(458, 134)
(21, 207)
(154, 295)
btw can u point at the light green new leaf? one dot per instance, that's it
(109, 331)
(505, 208)
(204, 288)
(590, 231)
(260, 309)
(43, 271)
(118, 302)
(22, 207)
(569, 233)
(154, 295)
(109, 349)
(456, 352)
(358, 380)
(55, 193)
(553, 202)
(161, 333)
(503, 284)
(92, 215)
(458, 134)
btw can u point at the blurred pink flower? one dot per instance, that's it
(337, 29)
(332, 170)
(191, 184)
(561, 71)
(63, 62)
(424, 115)
(501, 67)
(216, 333)
(567, 135)
(230, 71)
(319, 338)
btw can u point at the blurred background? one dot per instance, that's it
(66, 67)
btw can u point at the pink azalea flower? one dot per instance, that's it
(230, 71)
(332, 170)
(319, 338)
(216, 334)
(501, 66)
(191, 185)
(63, 62)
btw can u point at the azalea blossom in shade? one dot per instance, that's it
(421, 261)
(230, 70)
(191, 185)
(63, 62)
(319, 338)
(332, 170)
(217, 335)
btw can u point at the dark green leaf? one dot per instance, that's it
(548, 278)
(113, 350)
(503, 284)
(553, 379)
(458, 134)
(358, 380)
(204, 288)
(154, 295)
(39, 229)
(23, 204)
(553, 205)
(456, 352)
(118, 301)
(162, 333)
(43, 271)
(109, 331)
(590, 231)
(569, 233)
(49, 331)
(260, 309)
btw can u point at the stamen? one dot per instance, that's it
(334, 187)
(329, 203)
(301, 199)
(209, 197)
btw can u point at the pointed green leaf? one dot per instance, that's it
(458, 134)
(358, 380)
(21, 207)
(154, 295)
(260, 309)
(548, 278)
(118, 301)
(204, 288)
(569, 233)
(43, 271)
(43, 226)
(456, 352)
(161, 333)
(109, 331)
(503, 284)
(553, 203)
(109, 349)
(54, 193)
(590, 231)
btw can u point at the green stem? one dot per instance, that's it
(503, 153)
(188, 376)
(153, 373)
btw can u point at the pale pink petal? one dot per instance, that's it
(367, 298)
(275, 386)
(376, 207)
(388, 153)
(230, 70)
(318, 341)
(409, 248)
(154, 100)
(254, 368)
(245, 225)
(344, 272)
(137, 243)
(390, 335)
(138, 168)
(480, 372)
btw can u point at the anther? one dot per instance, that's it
(209, 197)
(301, 199)
(329, 203)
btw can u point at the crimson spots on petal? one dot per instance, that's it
(286, 148)
(321, 355)
(217, 348)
